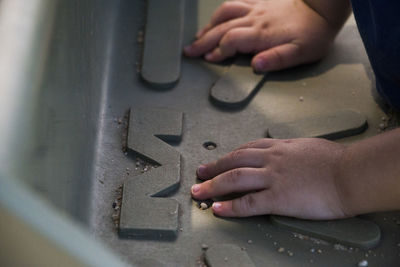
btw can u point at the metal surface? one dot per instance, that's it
(62, 137)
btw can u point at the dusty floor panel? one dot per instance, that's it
(341, 81)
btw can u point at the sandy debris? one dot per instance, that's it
(204, 246)
(117, 207)
(203, 206)
(140, 37)
(339, 247)
(363, 263)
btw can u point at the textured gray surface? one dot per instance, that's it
(164, 123)
(332, 126)
(90, 81)
(146, 128)
(145, 212)
(237, 85)
(353, 232)
(162, 51)
(340, 81)
(62, 144)
(149, 263)
(227, 255)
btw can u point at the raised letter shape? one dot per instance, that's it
(237, 86)
(145, 212)
(353, 231)
(343, 123)
(162, 52)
